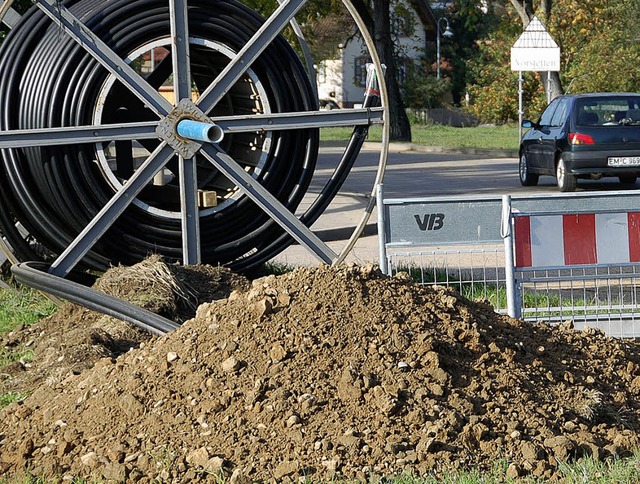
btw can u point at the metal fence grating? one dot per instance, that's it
(476, 273)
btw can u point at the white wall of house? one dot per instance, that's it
(343, 80)
(330, 80)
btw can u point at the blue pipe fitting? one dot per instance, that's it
(199, 131)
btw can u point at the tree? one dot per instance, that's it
(606, 48)
(493, 86)
(377, 18)
(599, 51)
(470, 21)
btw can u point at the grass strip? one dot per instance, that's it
(482, 137)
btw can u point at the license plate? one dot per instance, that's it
(624, 160)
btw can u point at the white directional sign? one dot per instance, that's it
(535, 50)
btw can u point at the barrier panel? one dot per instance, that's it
(477, 273)
(452, 241)
(583, 266)
(551, 257)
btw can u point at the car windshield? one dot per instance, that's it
(608, 111)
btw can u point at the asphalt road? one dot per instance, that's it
(412, 174)
(425, 174)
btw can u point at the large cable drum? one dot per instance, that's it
(95, 168)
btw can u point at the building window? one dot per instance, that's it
(360, 71)
(403, 64)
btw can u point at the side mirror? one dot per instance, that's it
(527, 124)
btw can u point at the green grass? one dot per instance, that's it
(481, 137)
(461, 282)
(18, 354)
(623, 471)
(22, 306)
(8, 398)
(19, 306)
(613, 471)
(547, 302)
(587, 470)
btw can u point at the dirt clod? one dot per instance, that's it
(320, 373)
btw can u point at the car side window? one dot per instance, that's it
(547, 115)
(560, 114)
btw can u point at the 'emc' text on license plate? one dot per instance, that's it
(624, 160)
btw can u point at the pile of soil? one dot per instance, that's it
(322, 373)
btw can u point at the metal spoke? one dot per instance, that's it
(5, 6)
(272, 206)
(27, 138)
(301, 120)
(8, 15)
(187, 167)
(248, 54)
(190, 212)
(68, 22)
(237, 70)
(111, 211)
(180, 49)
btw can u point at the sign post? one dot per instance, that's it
(535, 50)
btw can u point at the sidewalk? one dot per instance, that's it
(399, 147)
(335, 227)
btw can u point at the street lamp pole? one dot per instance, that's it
(447, 33)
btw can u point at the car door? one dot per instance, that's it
(534, 139)
(556, 130)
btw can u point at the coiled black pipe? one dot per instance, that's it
(49, 80)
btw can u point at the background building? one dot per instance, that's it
(342, 79)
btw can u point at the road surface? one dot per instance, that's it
(412, 174)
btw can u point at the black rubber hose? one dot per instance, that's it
(34, 274)
(49, 80)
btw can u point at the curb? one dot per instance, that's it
(406, 147)
(401, 147)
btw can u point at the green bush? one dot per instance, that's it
(423, 91)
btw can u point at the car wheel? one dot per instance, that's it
(628, 180)
(566, 181)
(527, 178)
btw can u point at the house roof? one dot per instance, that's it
(425, 13)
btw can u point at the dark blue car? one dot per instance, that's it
(583, 136)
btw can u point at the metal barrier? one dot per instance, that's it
(605, 297)
(581, 265)
(476, 273)
(539, 257)
(452, 241)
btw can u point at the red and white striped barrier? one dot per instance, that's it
(575, 239)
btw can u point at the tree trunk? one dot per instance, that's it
(550, 80)
(399, 125)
